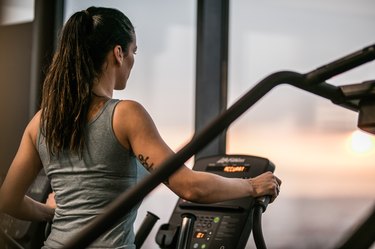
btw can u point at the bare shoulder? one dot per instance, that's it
(33, 127)
(131, 119)
(130, 110)
(129, 104)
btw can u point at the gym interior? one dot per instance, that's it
(195, 60)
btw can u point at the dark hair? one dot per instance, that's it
(86, 39)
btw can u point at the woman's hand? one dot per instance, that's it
(266, 184)
(51, 202)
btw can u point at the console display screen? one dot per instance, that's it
(229, 168)
(200, 235)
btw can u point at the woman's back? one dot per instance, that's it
(84, 185)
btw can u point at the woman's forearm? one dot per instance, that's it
(204, 187)
(209, 188)
(30, 209)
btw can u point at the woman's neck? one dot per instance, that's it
(98, 95)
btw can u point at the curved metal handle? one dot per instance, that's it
(187, 226)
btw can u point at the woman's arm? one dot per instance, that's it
(135, 130)
(21, 174)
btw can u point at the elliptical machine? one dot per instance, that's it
(224, 225)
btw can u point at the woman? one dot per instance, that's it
(88, 142)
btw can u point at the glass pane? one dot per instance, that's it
(16, 11)
(326, 165)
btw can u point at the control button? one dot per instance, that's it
(196, 245)
(216, 219)
(203, 246)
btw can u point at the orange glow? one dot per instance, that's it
(234, 168)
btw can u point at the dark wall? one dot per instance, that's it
(15, 58)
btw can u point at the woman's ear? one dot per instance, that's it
(118, 53)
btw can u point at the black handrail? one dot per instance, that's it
(311, 82)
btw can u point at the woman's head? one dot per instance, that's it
(86, 39)
(102, 29)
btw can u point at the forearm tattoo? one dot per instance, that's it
(148, 165)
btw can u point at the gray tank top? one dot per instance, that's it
(85, 186)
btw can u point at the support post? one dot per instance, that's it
(48, 20)
(211, 69)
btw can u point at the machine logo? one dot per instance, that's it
(231, 160)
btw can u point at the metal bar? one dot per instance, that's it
(364, 236)
(342, 65)
(187, 225)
